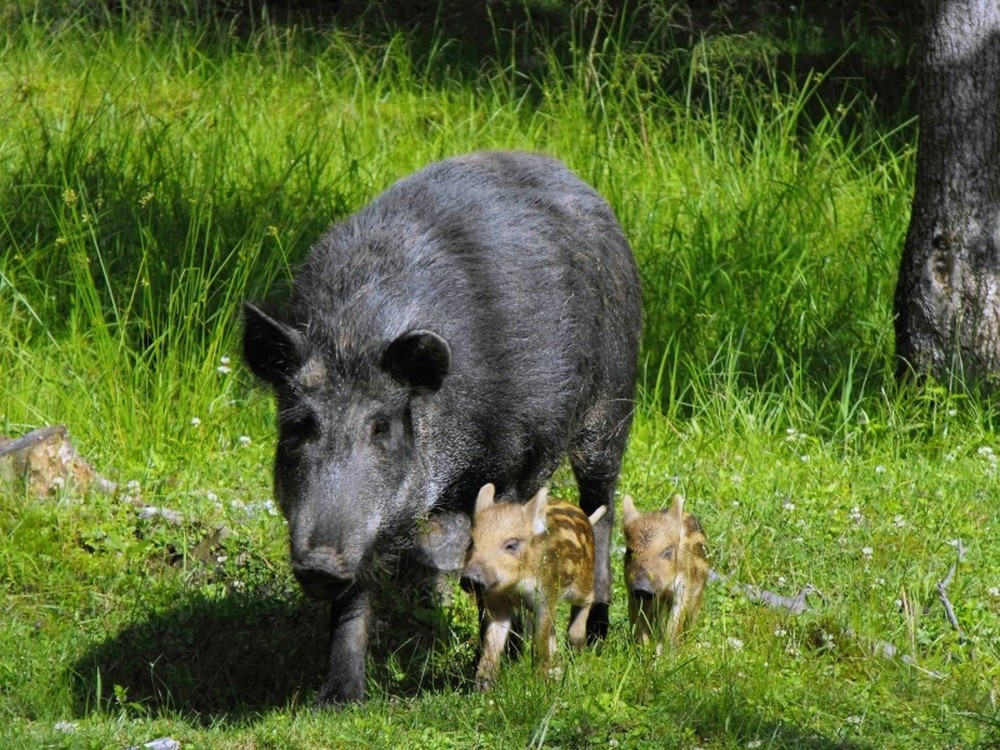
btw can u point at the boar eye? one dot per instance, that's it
(299, 425)
(381, 428)
(513, 546)
(668, 553)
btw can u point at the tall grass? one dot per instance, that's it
(155, 176)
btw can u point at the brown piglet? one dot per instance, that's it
(533, 555)
(666, 568)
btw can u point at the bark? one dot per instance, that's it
(948, 291)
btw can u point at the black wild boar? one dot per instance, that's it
(475, 323)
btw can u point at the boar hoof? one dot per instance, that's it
(597, 622)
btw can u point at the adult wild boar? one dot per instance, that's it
(475, 323)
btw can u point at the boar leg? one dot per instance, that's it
(577, 633)
(678, 612)
(345, 678)
(496, 627)
(544, 635)
(597, 489)
(596, 457)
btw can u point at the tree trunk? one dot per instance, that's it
(948, 292)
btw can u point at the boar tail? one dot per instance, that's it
(598, 514)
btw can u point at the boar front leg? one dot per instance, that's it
(497, 620)
(577, 633)
(595, 492)
(345, 676)
(544, 641)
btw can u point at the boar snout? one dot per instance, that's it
(323, 572)
(474, 580)
(642, 589)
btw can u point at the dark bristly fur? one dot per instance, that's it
(475, 323)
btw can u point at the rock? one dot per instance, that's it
(48, 461)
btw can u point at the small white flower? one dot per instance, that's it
(952, 412)
(735, 643)
(195, 422)
(780, 632)
(788, 505)
(899, 522)
(867, 552)
(781, 580)
(856, 720)
(755, 743)
(224, 369)
(985, 451)
(212, 496)
(66, 726)
(805, 459)
(224, 360)
(244, 440)
(994, 591)
(880, 469)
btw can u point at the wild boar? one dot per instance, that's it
(666, 568)
(532, 556)
(475, 323)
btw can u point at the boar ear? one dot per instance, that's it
(419, 359)
(536, 510)
(630, 514)
(271, 349)
(677, 509)
(485, 498)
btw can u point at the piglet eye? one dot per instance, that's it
(628, 554)
(512, 546)
(668, 553)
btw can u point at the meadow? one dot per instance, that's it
(156, 174)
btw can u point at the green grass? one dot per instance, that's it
(154, 177)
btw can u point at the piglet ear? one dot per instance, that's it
(419, 359)
(485, 498)
(537, 511)
(272, 350)
(629, 512)
(677, 509)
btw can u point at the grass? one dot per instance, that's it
(153, 178)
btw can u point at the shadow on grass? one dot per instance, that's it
(225, 660)
(214, 658)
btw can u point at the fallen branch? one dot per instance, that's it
(943, 585)
(795, 605)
